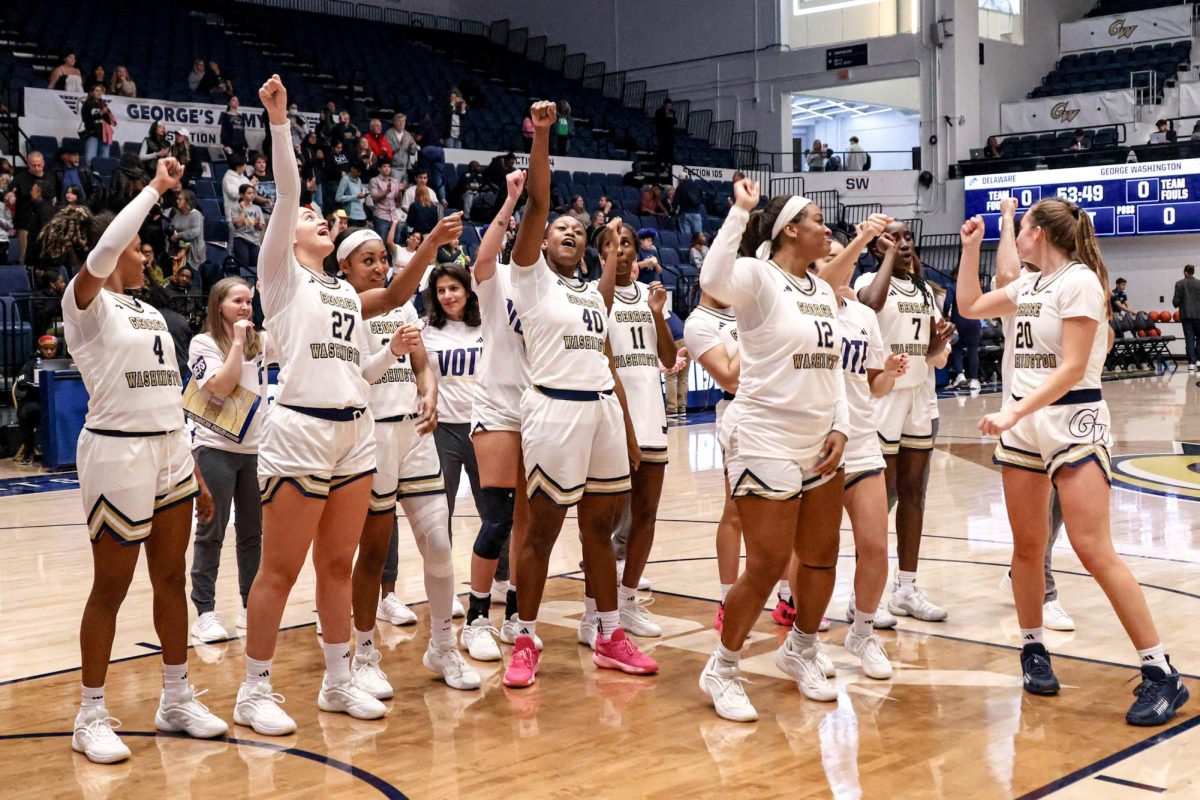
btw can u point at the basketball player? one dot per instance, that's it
(640, 340)
(573, 419)
(911, 323)
(783, 435)
(318, 447)
(136, 472)
(1055, 432)
(403, 401)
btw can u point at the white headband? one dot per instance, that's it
(791, 209)
(351, 242)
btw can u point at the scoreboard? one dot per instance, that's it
(1138, 199)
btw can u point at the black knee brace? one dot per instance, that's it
(496, 511)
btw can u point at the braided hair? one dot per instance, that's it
(74, 230)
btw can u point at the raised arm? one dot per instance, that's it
(102, 261)
(608, 266)
(875, 293)
(493, 237)
(662, 333)
(275, 256)
(537, 207)
(840, 269)
(406, 280)
(972, 303)
(1008, 263)
(719, 279)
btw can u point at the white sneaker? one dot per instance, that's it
(1056, 618)
(207, 628)
(823, 625)
(869, 649)
(508, 632)
(589, 626)
(1006, 582)
(805, 668)
(257, 707)
(348, 697)
(883, 619)
(974, 385)
(825, 662)
(499, 591)
(723, 685)
(1191, 368)
(457, 610)
(912, 602)
(391, 610)
(449, 663)
(635, 620)
(958, 382)
(477, 640)
(95, 736)
(370, 676)
(188, 715)
(240, 622)
(643, 582)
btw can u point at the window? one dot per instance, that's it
(1001, 20)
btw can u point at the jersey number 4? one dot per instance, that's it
(158, 349)
(341, 320)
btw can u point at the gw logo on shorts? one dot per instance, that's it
(1083, 425)
(1063, 112)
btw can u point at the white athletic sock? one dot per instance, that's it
(91, 697)
(727, 657)
(609, 622)
(364, 641)
(784, 591)
(864, 622)
(337, 662)
(725, 587)
(906, 579)
(1154, 657)
(799, 640)
(526, 627)
(175, 681)
(589, 606)
(430, 522)
(257, 671)
(481, 595)
(626, 595)
(1031, 636)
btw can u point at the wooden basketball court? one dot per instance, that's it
(952, 723)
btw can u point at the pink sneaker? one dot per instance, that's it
(784, 613)
(522, 667)
(620, 653)
(720, 623)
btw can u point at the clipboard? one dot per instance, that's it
(229, 417)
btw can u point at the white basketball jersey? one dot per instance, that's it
(565, 324)
(127, 360)
(862, 350)
(319, 335)
(455, 353)
(1042, 305)
(1008, 325)
(395, 393)
(503, 371)
(634, 343)
(707, 328)
(905, 324)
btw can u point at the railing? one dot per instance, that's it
(792, 184)
(894, 160)
(1144, 83)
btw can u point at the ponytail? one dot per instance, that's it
(757, 231)
(1069, 228)
(1088, 252)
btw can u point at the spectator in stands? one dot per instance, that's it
(248, 226)
(337, 164)
(467, 190)
(367, 160)
(181, 151)
(262, 172)
(25, 391)
(31, 188)
(650, 202)
(423, 213)
(215, 85)
(94, 115)
(66, 77)
(8, 202)
(232, 183)
(433, 161)
(95, 79)
(671, 202)
(187, 228)
(453, 253)
(1187, 300)
(122, 84)
(150, 267)
(403, 145)
(562, 129)
(72, 196)
(816, 157)
(347, 132)
(403, 255)
(1195, 132)
(648, 266)
(497, 170)
(385, 191)
(181, 284)
(605, 205)
(455, 120)
(312, 166)
(154, 146)
(967, 345)
(326, 122)
(196, 75)
(420, 178)
(1118, 300)
(67, 173)
(699, 249)
(598, 221)
(233, 130)
(856, 157)
(296, 124)
(527, 132)
(691, 206)
(46, 303)
(1081, 142)
(378, 142)
(992, 148)
(664, 132)
(1163, 134)
(350, 196)
(833, 162)
(579, 211)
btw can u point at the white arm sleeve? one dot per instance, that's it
(377, 364)
(719, 279)
(276, 272)
(102, 261)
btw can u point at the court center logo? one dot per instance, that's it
(1118, 30)
(1063, 112)
(1173, 475)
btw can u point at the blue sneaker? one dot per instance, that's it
(1159, 696)
(1036, 671)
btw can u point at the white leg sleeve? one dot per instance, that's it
(430, 522)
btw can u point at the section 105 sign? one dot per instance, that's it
(1122, 199)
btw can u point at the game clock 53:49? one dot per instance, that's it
(1122, 199)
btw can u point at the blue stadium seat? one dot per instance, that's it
(14, 281)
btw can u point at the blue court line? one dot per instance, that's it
(149, 646)
(374, 781)
(1132, 784)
